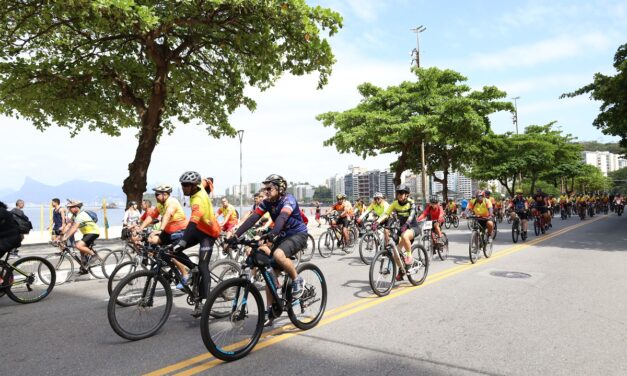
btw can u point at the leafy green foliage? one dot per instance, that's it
(323, 194)
(612, 92)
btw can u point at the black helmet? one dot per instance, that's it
(278, 181)
(402, 188)
(190, 177)
(433, 200)
(487, 193)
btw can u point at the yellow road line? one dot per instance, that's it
(357, 306)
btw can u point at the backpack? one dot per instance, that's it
(92, 214)
(23, 223)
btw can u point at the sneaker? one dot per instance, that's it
(269, 317)
(297, 287)
(183, 283)
(408, 260)
(197, 312)
(399, 277)
(82, 271)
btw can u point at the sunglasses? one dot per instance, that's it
(268, 189)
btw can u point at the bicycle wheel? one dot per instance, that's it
(447, 222)
(309, 251)
(238, 329)
(352, 241)
(147, 301)
(112, 259)
(473, 246)
(523, 235)
(326, 243)
(26, 282)
(443, 248)
(417, 272)
(63, 266)
(383, 272)
(306, 311)
(120, 271)
(536, 227)
(515, 232)
(99, 271)
(495, 231)
(368, 247)
(487, 249)
(456, 221)
(426, 244)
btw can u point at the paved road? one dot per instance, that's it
(567, 318)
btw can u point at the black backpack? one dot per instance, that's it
(23, 223)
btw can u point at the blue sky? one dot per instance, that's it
(536, 50)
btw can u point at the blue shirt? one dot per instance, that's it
(464, 204)
(287, 203)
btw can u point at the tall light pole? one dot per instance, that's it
(516, 113)
(416, 54)
(240, 134)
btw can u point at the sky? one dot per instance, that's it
(535, 50)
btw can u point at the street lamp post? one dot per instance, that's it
(423, 175)
(240, 134)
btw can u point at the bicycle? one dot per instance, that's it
(63, 262)
(231, 328)
(334, 236)
(517, 230)
(384, 266)
(478, 240)
(28, 280)
(138, 295)
(451, 219)
(539, 223)
(369, 244)
(430, 241)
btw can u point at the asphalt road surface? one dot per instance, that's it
(566, 316)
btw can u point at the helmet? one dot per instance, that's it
(73, 203)
(433, 200)
(163, 188)
(277, 180)
(402, 188)
(539, 190)
(131, 203)
(340, 196)
(378, 195)
(479, 193)
(487, 193)
(519, 192)
(190, 177)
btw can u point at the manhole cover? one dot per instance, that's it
(504, 274)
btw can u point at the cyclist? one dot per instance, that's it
(202, 229)
(451, 208)
(464, 204)
(82, 221)
(433, 212)
(229, 215)
(541, 204)
(377, 206)
(519, 207)
(131, 215)
(344, 209)
(288, 236)
(482, 208)
(405, 209)
(359, 207)
(173, 223)
(563, 201)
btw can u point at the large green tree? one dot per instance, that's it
(438, 108)
(107, 65)
(612, 92)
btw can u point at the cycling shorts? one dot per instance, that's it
(522, 214)
(342, 221)
(229, 226)
(89, 239)
(166, 239)
(290, 245)
(541, 209)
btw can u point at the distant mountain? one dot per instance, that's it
(5, 191)
(39, 193)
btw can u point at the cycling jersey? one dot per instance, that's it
(202, 213)
(177, 221)
(406, 212)
(346, 208)
(288, 204)
(230, 212)
(452, 207)
(433, 214)
(85, 224)
(519, 204)
(379, 209)
(480, 209)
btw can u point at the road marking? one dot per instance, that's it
(352, 308)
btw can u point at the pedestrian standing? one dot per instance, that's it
(59, 215)
(317, 205)
(132, 215)
(19, 210)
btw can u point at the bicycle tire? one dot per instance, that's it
(380, 268)
(487, 249)
(112, 260)
(26, 295)
(63, 266)
(495, 230)
(421, 261)
(114, 304)
(368, 240)
(536, 227)
(99, 271)
(307, 299)
(231, 318)
(326, 243)
(523, 235)
(515, 232)
(473, 247)
(447, 222)
(127, 267)
(443, 249)
(456, 221)
(352, 240)
(309, 251)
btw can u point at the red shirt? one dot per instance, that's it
(434, 214)
(150, 212)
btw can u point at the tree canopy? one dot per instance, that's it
(612, 92)
(438, 108)
(107, 65)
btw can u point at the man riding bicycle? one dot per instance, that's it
(482, 208)
(288, 236)
(344, 209)
(377, 206)
(82, 221)
(519, 208)
(433, 212)
(541, 204)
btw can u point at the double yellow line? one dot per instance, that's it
(288, 331)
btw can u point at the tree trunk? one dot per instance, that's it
(444, 182)
(504, 183)
(534, 178)
(135, 184)
(399, 168)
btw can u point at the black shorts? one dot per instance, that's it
(167, 239)
(542, 209)
(522, 214)
(56, 231)
(291, 244)
(89, 239)
(342, 221)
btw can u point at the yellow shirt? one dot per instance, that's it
(202, 213)
(177, 220)
(86, 225)
(480, 209)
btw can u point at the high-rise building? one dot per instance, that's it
(604, 160)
